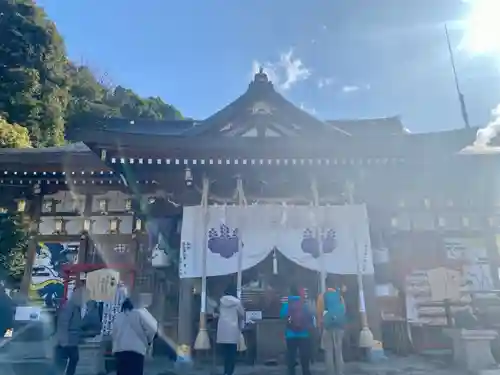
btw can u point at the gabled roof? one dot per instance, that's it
(262, 111)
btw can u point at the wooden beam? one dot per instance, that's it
(34, 212)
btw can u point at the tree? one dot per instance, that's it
(13, 135)
(134, 107)
(13, 246)
(34, 89)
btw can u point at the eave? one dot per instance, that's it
(409, 146)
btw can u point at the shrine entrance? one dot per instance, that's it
(264, 250)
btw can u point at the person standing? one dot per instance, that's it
(132, 334)
(6, 311)
(231, 319)
(332, 318)
(69, 333)
(299, 326)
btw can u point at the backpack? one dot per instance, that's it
(334, 316)
(299, 319)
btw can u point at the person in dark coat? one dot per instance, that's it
(6, 312)
(69, 333)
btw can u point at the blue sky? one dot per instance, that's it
(336, 58)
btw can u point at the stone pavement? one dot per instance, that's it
(412, 365)
(393, 366)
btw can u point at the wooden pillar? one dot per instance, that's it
(185, 324)
(83, 248)
(34, 213)
(372, 308)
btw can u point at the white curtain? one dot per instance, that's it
(292, 230)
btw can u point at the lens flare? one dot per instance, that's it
(482, 27)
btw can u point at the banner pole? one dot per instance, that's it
(202, 341)
(318, 235)
(242, 202)
(365, 335)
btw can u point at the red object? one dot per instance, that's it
(71, 271)
(302, 293)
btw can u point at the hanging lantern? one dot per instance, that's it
(114, 225)
(48, 205)
(21, 205)
(188, 176)
(103, 206)
(128, 204)
(86, 225)
(138, 225)
(59, 226)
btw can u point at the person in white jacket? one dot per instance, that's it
(133, 333)
(231, 317)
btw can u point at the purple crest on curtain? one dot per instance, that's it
(310, 244)
(224, 243)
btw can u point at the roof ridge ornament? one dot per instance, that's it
(261, 76)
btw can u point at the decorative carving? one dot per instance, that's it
(261, 108)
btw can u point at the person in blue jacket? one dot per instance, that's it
(299, 324)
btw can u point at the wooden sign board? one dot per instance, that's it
(445, 284)
(102, 284)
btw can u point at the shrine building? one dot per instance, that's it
(117, 193)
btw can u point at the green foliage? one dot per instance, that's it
(13, 246)
(13, 135)
(44, 92)
(33, 85)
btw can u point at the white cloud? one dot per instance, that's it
(323, 82)
(350, 88)
(354, 88)
(285, 72)
(312, 111)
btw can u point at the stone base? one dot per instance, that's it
(489, 372)
(471, 348)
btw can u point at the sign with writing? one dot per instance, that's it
(445, 284)
(27, 313)
(252, 316)
(102, 284)
(426, 287)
